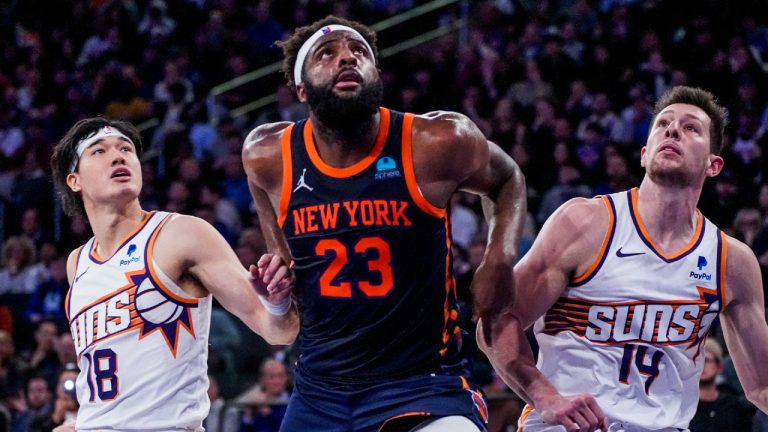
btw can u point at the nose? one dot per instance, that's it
(673, 130)
(118, 158)
(346, 56)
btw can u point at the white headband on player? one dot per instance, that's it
(304, 50)
(106, 131)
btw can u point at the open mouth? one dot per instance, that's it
(120, 173)
(348, 77)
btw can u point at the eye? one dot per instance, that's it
(691, 128)
(127, 148)
(663, 123)
(359, 50)
(326, 52)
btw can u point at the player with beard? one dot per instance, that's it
(355, 196)
(624, 289)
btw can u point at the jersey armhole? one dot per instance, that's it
(722, 248)
(285, 191)
(607, 239)
(410, 175)
(68, 296)
(158, 276)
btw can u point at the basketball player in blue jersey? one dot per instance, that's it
(139, 303)
(355, 196)
(623, 290)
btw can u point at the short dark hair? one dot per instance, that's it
(708, 103)
(292, 45)
(65, 153)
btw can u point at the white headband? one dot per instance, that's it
(106, 131)
(304, 50)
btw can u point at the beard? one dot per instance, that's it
(669, 176)
(348, 113)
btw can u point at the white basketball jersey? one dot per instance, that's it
(142, 343)
(630, 330)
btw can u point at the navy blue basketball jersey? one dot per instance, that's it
(372, 259)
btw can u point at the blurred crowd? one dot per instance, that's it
(565, 87)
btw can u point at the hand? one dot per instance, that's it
(576, 413)
(272, 278)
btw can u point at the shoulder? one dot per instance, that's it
(586, 215)
(576, 231)
(72, 263)
(453, 141)
(448, 127)
(742, 270)
(263, 138)
(181, 227)
(262, 154)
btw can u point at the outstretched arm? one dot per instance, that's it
(202, 258)
(566, 245)
(744, 325)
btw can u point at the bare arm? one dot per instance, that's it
(567, 244)
(744, 325)
(471, 163)
(193, 253)
(262, 160)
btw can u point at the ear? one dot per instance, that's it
(642, 156)
(73, 181)
(716, 164)
(301, 93)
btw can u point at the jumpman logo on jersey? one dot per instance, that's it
(301, 183)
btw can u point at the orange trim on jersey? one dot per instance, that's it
(356, 168)
(450, 289)
(285, 192)
(647, 237)
(68, 296)
(527, 410)
(125, 239)
(408, 414)
(603, 248)
(153, 273)
(722, 269)
(410, 173)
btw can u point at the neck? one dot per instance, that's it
(669, 213)
(344, 147)
(112, 224)
(708, 391)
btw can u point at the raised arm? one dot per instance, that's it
(744, 325)
(566, 246)
(200, 260)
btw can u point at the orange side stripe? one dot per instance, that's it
(723, 267)
(408, 414)
(644, 231)
(410, 174)
(151, 267)
(527, 410)
(285, 193)
(603, 247)
(314, 156)
(138, 228)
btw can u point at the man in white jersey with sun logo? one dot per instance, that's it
(624, 289)
(139, 304)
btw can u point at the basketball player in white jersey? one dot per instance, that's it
(623, 290)
(139, 304)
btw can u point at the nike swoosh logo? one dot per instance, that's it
(81, 274)
(621, 254)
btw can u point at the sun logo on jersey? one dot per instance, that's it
(141, 304)
(162, 313)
